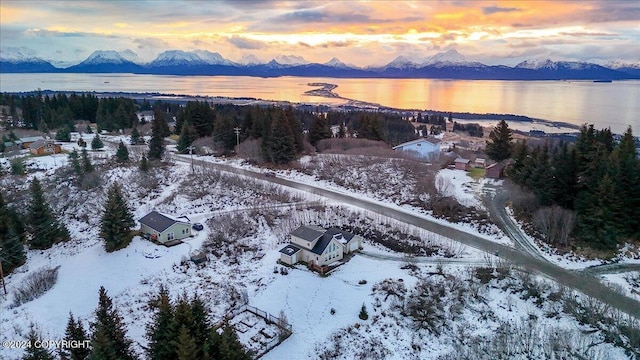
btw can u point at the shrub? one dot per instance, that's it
(35, 285)
(17, 167)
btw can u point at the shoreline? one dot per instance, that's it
(323, 90)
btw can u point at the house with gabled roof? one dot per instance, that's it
(319, 247)
(427, 147)
(164, 229)
(44, 147)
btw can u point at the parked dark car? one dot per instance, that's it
(270, 174)
(197, 226)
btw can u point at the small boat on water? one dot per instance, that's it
(602, 81)
(107, 82)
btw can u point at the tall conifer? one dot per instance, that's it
(117, 220)
(45, 228)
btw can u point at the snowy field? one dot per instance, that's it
(241, 269)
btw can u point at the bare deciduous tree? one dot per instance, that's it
(555, 224)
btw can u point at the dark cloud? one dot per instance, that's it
(337, 44)
(489, 10)
(245, 43)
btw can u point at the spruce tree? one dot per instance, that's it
(75, 333)
(45, 228)
(117, 221)
(87, 167)
(161, 331)
(188, 135)
(342, 132)
(499, 145)
(63, 134)
(156, 145)
(89, 129)
(11, 249)
(122, 154)
(96, 143)
(135, 136)
(363, 313)
(185, 345)
(36, 352)
(109, 340)
(627, 182)
(230, 347)
(279, 145)
(319, 130)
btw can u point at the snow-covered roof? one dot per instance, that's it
(159, 222)
(326, 238)
(290, 250)
(31, 139)
(430, 140)
(39, 143)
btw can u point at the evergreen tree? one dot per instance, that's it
(342, 132)
(279, 145)
(156, 145)
(11, 249)
(75, 162)
(363, 313)
(596, 222)
(230, 347)
(117, 221)
(122, 154)
(109, 340)
(319, 130)
(89, 129)
(63, 134)
(144, 163)
(96, 143)
(87, 167)
(75, 333)
(161, 121)
(161, 331)
(136, 139)
(36, 352)
(186, 345)
(188, 135)
(626, 167)
(499, 145)
(45, 229)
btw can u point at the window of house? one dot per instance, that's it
(170, 236)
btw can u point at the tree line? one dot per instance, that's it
(597, 178)
(179, 330)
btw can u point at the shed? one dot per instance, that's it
(463, 164)
(495, 171)
(164, 229)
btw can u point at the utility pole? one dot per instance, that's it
(191, 148)
(2, 277)
(237, 130)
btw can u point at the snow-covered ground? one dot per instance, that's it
(245, 264)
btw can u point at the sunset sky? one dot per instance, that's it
(357, 32)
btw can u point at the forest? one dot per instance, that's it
(591, 186)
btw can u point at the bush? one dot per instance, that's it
(35, 285)
(17, 167)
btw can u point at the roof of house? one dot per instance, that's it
(462, 160)
(158, 222)
(31, 139)
(145, 113)
(326, 238)
(290, 250)
(498, 165)
(308, 232)
(430, 140)
(39, 143)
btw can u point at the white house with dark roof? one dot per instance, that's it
(426, 148)
(164, 229)
(319, 247)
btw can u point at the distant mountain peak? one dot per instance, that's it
(449, 56)
(290, 60)
(402, 62)
(212, 58)
(335, 62)
(109, 57)
(19, 54)
(620, 64)
(250, 59)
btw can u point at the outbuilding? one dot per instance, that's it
(495, 171)
(164, 229)
(463, 164)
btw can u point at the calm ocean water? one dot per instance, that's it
(615, 105)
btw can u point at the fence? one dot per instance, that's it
(285, 328)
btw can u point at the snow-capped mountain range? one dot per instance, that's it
(448, 64)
